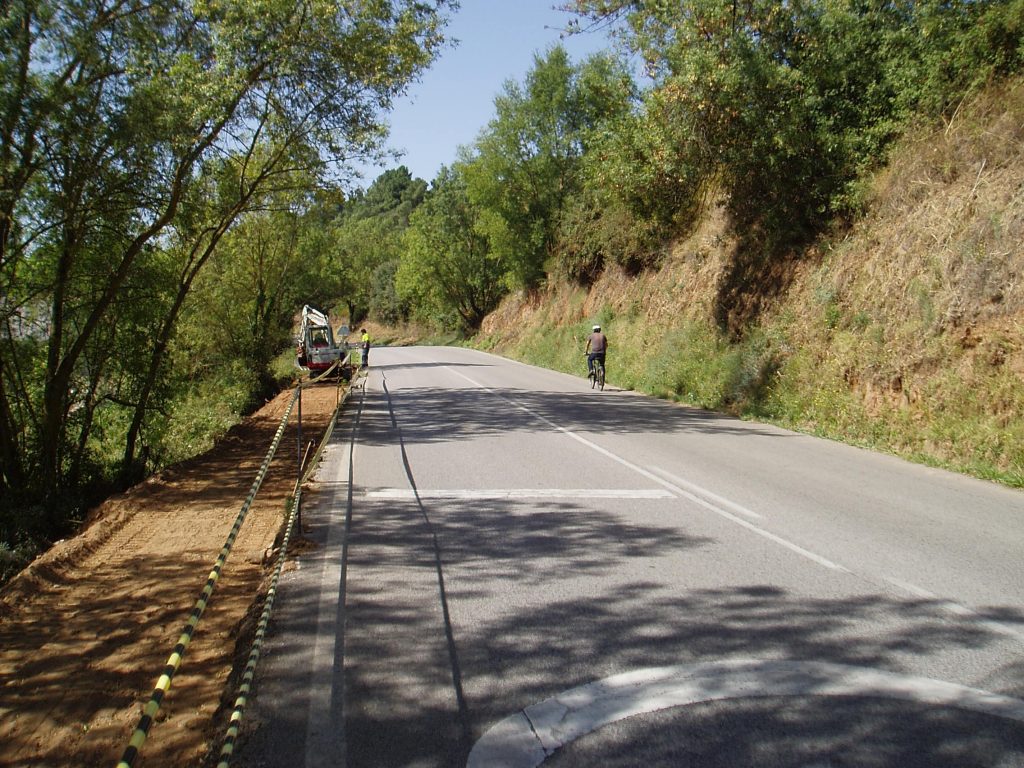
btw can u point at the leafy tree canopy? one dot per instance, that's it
(115, 117)
(526, 163)
(447, 270)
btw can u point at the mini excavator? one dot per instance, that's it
(316, 349)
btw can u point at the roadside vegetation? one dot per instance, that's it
(812, 216)
(903, 332)
(809, 213)
(162, 168)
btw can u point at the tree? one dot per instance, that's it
(393, 195)
(786, 105)
(368, 240)
(215, 202)
(446, 269)
(525, 164)
(249, 295)
(109, 113)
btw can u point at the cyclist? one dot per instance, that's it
(597, 345)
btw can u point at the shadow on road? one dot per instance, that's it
(445, 414)
(545, 638)
(413, 366)
(811, 732)
(551, 595)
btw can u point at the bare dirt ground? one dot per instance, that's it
(86, 630)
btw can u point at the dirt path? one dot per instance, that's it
(86, 630)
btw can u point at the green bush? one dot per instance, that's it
(692, 364)
(205, 412)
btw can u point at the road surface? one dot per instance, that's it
(505, 568)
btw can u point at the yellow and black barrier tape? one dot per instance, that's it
(336, 364)
(149, 712)
(245, 688)
(324, 375)
(234, 724)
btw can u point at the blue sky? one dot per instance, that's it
(455, 98)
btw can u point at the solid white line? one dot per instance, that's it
(325, 737)
(958, 610)
(519, 493)
(665, 483)
(527, 738)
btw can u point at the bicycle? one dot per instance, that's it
(597, 375)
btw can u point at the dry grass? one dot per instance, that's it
(907, 334)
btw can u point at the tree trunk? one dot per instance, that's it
(166, 332)
(11, 470)
(160, 345)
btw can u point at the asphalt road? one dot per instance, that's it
(507, 568)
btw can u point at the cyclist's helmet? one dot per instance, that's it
(597, 327)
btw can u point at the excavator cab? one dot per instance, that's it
(316, 349)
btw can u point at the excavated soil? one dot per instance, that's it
(86, 629)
